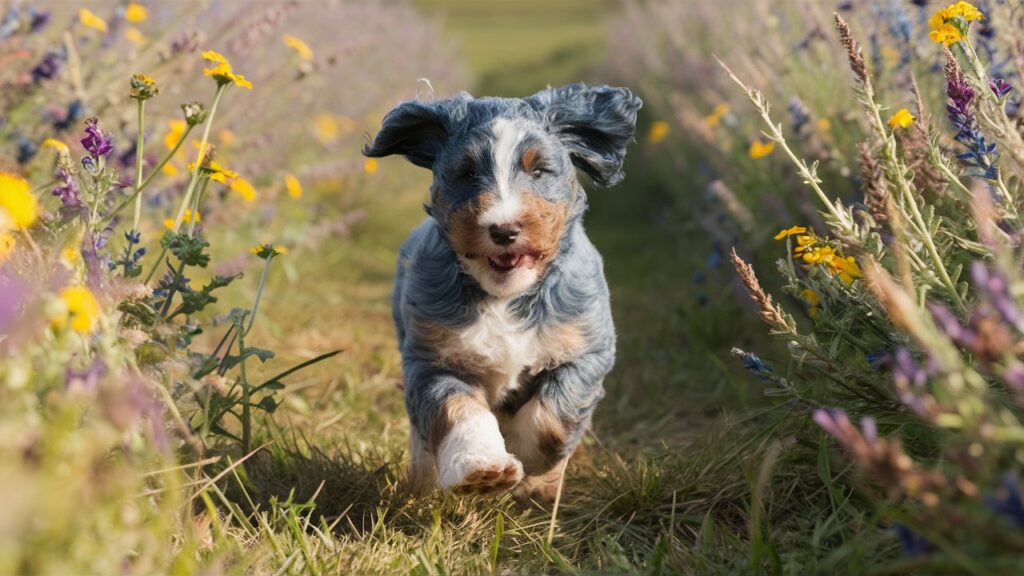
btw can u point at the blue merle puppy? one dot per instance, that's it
(500, 300)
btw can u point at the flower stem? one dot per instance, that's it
(139, 141)
(246, 391)
(148, 179)
(186, 200)
(259, 294)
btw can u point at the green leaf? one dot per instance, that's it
(195, 301)
(234, 360)
(268, 404)
(275, 380)
(188, 250)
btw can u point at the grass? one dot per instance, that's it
(682, 471)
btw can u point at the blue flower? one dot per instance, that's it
(913, 543)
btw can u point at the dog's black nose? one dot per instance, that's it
(504, 234)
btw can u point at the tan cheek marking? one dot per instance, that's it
(530, 159)
(542, 223)
(455, 409)
(464, 229)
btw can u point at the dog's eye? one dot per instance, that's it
(539, 171)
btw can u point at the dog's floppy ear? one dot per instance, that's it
(418, 130)
(594, 122)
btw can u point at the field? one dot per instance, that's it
(865, 420)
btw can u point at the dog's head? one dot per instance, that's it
(505, 185)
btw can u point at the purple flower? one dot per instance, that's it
(38, 20)
(1000, 87)
(96, 142)
(86, 380)
(980, 153)
(47, 67)
(67, 190)
(996, 290)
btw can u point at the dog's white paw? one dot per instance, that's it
(481, 473)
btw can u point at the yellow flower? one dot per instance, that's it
(17, 200)
(902, 118)
(658, 131)
(293, 186)
(217, 172)
(791, 232)
(142, 87)
(303, 49)
(70, 256)
(370, 165)
(266, 251)
(176, 128)
(717, 114)
(80, 311)
(222, 71)
(169, 222)
(946, 35)
(803, 242)
(226, 137)
(170, 169)
(810, 296)
(759, 149)
(325, 128)
(245, 188)
(824, 124)
(819, 255)
(134, 36)
(135, 13)
(91, 20)
(846, 268)
(57, 145)
(959, 10)
(7, 244)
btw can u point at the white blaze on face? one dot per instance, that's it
(507, 136)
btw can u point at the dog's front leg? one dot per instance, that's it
(545, 431)
(454, 429)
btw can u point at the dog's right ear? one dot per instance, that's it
(418, 130)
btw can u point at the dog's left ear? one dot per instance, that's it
(419, 130)
(594, 122)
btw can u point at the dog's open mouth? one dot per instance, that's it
(505, 263)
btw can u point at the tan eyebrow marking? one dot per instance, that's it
(531, 158)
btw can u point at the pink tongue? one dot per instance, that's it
(507, 260)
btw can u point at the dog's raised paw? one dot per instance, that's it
(483, 475)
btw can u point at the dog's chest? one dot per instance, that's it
(497, 349)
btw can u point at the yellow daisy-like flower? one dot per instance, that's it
(176, 128)
(946, 35)
(658, 131)
(819, 255)
(17, 201)
(169, 222)
(846, 269)
(293, 186)
(370, 166)
(90, 20)
(245, 188)
(810, 296)
(217, 172)
(142, 87)
(303, 49)
(70, 256)
(719, 112)
(7, 244)
(759, 149)
(170, 169)
(902, 119)
(325, 128)
(963, 10)
(135, 13)
(222, 71)
(266, 251)
(134, 36)
(824, 125)
(791, 232)
(79, 310)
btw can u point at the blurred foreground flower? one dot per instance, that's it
(169, 222)
(658, 131)
(245, 188)
(300, 47)
(135, 13)
(293, 186)
(370, 165)
(17, 201)
(90, 20)
(77, 310)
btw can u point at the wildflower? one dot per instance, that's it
(824, 124)
(79, 310)
(996, 289)
(1000, 87)
(759, 149)
(754, 363)
(216, 172)
(142, 87)
(67, 190)
(245, 188)
(266, 251)
(325, 128)
(810, 297)
(946, 35)
(902, 119)
(97, 143)
(222, 71)
(717, 114)
(169, 222)
(801, 116)
(47, 68)
(293, 186)
(7, 244)
(803, 242)
(134, 36)
(91, 20)
(819, 255)
(303, 49)
(658, 131)
(226, 137)
(194, 112)
(26, 150)
(176, 129)
(57, 145)
(846, 269)
(17, 201)
(980, 153)
(370, 166)
(135, 13)
(791, 232)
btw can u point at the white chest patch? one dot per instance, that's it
(497, 349)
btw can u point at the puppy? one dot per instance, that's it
(500, 301)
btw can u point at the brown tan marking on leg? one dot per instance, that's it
(535, 435)
(542, 487)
